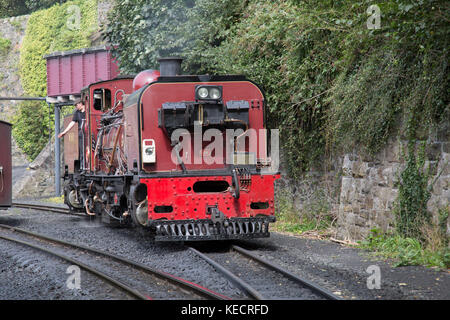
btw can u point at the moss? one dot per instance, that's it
(47, 32)
(5, 45)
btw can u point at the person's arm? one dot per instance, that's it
(70, 126)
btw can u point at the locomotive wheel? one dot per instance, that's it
(139, 216)
(72, 200)
(139, 213)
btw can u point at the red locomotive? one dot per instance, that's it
(182, 156)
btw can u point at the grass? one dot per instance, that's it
(316, 217)
(59, 200)
(431, 252)
(406, 251)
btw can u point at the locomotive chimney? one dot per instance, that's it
(170, 66)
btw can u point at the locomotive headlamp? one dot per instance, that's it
(208, 92)
(214, 93)
(203, 93)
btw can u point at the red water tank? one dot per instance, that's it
(145, 77)
(69, 71)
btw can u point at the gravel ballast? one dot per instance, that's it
(27, 274)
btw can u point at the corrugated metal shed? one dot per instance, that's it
(70, 71)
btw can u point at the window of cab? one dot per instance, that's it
(102, 99)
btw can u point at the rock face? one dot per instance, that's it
(37, 180)
(12, 29)
(361, 191)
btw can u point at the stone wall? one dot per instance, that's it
(360, 191)
(37, 180)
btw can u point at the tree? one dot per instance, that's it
(141, 31)
(11, 8)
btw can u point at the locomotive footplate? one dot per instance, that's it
(207, 229)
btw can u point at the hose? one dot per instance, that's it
(236, 193)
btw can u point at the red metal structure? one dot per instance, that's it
(70, 71)
(5, 165)
(140, 165)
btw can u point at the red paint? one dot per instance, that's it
(158, 93)
(178, 193)
(69, 72)
(6, 164)
(94, 115)
(145, 77)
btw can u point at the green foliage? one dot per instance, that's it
(28, 130)
(413, 194)
(314, 217)
(5, 45)
(332, 84)
(47, 32)
(34, 5)
(12, 8)
(143, 31)
(406, 251)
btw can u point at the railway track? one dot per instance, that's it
(239, 266)
(47, 208)
(185, 288)
(260, 279)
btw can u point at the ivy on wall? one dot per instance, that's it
(54, 29)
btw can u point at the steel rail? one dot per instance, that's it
(200, 290)
(248, 289)
(321, 291)
(46, 208)
(92, 270)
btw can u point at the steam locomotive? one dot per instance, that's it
(183, 157)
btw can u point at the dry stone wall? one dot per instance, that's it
(361, 192)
